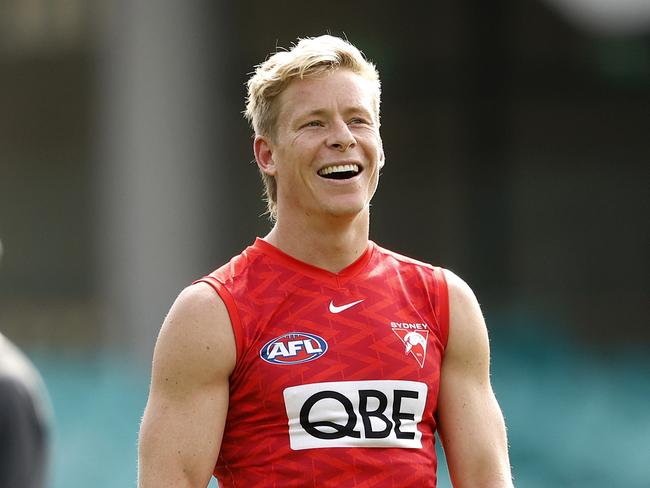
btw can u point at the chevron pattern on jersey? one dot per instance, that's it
(274, 295)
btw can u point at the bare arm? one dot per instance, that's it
(183, 422)
(472, 428)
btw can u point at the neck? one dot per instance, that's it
(331, 243)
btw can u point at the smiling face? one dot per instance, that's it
(326, 152)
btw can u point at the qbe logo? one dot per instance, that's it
(378, 413)
(293, 348)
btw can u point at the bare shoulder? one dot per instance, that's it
(196, 339)
(460, 293)
(467, 329)
(471, 424)
(185, 415)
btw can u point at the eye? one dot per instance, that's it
(313, 123)
(358, 120)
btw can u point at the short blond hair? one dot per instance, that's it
(311, 56)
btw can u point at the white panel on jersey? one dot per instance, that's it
(378, 413)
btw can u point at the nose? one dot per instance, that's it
(341, 138)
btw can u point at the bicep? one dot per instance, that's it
(471, 424)
(181, 430)
(180, 439)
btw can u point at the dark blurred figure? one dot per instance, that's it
(24, 413)
(24, 420)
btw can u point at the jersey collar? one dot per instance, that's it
(263, 247)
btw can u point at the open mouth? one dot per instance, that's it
(340, 171)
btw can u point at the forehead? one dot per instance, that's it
(340, 90)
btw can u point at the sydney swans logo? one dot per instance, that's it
(414, 337)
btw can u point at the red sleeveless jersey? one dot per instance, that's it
(337, 374)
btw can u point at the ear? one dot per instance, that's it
(264, 155)
(382, 157)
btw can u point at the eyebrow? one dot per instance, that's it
(319, 112)
(322, 112)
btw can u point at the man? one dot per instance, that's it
(316, 358)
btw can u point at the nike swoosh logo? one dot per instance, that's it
(335, 309)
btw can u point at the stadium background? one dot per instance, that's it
(516, 136)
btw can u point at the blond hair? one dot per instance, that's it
(311, 56)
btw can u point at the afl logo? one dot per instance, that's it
(293, 348)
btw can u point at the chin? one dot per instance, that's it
(348, 209)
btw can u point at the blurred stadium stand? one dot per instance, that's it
(517, 156)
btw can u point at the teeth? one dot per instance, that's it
(340, 168)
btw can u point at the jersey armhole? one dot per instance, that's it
(229, 301)
(443, 305)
